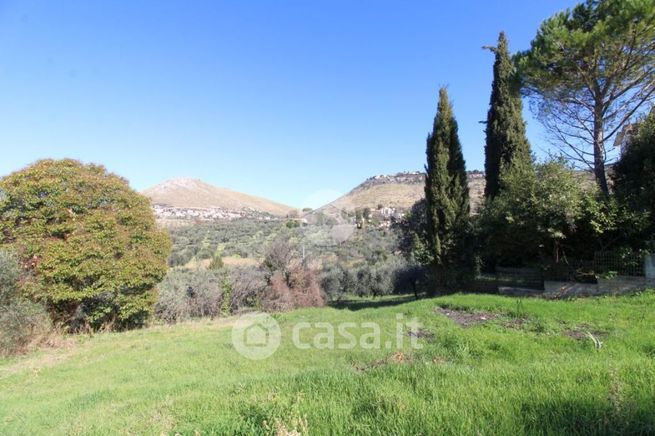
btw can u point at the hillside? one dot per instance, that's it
(397, 191)
(186, 193)
(527, 368)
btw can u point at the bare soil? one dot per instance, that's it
(466, 319)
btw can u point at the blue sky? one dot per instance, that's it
(296, 101)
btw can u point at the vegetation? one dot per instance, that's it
(532, 216)
(505, 131)
(217, 262)
(89, 241)
(521, 368)
(352, 261)
(238, 238)
(446, 193)
(22, 323)
(293, 282)
(589, 70)
(635, 185)
(185, 295)
(80, 248)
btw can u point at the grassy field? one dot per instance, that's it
(489, 365)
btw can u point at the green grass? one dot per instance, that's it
(529, 370)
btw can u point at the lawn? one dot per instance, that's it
(488, 365)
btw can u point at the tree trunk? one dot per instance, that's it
(599, 151)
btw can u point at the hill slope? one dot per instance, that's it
(496, 375)
(397, 191)
(193, 193)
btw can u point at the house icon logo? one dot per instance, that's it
(256, 336)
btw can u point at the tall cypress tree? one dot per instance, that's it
(446, 190)
(506, 142)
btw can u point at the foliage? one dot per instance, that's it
(505, 131)
(414, 278)
(588, 71)
(280, 254)
(337, 281)
(278, 247)
(413, 240)
(391, 276)
(532, 216)
(292, 224)
(300, 287)
(185, 295)
(292, 282)
(22, 324)
(90, 241)
(247, 285)
(9, 277)
(634, 181)
(237, 238)
(606, 224)
(191, 294)
(217, 262)
(446, 192)
(21, 321)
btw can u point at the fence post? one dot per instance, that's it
(649, 266)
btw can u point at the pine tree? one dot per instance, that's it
(506, 141)
(446, 192)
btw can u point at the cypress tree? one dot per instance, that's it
(506, 142)
(446, 191)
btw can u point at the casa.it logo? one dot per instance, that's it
(256, 336)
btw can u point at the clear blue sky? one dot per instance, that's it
(292, 100)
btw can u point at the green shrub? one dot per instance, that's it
(89, 241)
(9, 277)
(633, 175)
(21, 321)
(332, 281)
(216, 263)
(413, 239)
(533, 215)
(391, 276)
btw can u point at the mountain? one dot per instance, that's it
(398, 191)
(186, 193)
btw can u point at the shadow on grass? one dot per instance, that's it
(589, 417)
(372, 303)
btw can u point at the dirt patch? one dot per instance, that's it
(581, 334)
(466, 319)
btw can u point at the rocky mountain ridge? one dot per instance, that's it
(397, 192)
(186, 201)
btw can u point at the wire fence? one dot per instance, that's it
(619, 263)
(604, 263)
